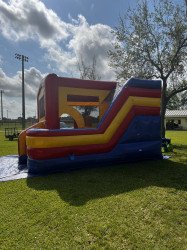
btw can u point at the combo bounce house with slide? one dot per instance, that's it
(128, 128)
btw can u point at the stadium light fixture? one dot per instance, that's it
(23, 59)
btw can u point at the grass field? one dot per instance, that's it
(8, 147)
(12, 124)
(130, 206)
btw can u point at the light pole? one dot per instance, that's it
(23, 59)
(2, 105)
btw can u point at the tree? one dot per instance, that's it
(152, 43)
(89, 72)
(178, 101)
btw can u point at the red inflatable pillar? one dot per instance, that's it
(51, 102)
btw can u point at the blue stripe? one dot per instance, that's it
(140, 83)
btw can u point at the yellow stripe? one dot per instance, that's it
(64, 141)
(22, 137)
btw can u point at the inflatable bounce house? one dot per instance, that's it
(128, 128)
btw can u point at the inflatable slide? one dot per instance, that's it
(128, 128)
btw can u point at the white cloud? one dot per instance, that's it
(12, 91)
(22, 20)
(64, 42)
(92, 40)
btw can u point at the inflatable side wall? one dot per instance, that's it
(128, 131)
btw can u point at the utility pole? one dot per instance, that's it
(2, 106)
(23, 59)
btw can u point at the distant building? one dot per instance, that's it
(176, 119)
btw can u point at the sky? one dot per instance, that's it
(54, 35)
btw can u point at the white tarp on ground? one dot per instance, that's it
(10, 169)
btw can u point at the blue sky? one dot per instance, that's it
(98, 11)
(104, 12)
(54, 35)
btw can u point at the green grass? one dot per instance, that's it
(7, 147)
(177, 137)
(13, 125)
(130, 206)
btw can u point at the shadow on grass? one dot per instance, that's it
(78, 187)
